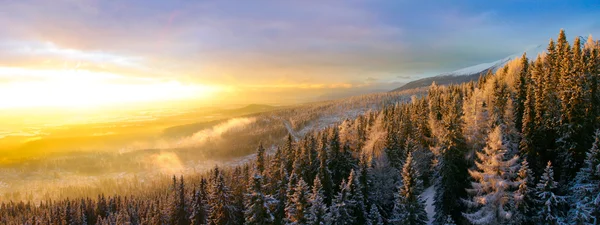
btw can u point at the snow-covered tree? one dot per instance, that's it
(318, 208)
(298, 211)
(547, 201)
(523, 201)
(409, 208)
(449, 221)
(257, 210)
(356, 198)
(383, 184)
(199, 205)
(585, 190)
(493, 181)
(340, 212)
(374, 216)
(219, 199)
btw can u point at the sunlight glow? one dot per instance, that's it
(82, 88)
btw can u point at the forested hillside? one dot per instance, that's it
(520, 146)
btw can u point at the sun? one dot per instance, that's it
(83, 88)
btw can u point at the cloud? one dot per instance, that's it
(201, 137)
(246, 43)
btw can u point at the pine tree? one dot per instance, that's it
(341, 212)
(324, 173)
(585, 190)
(221, 210)
(524, 197)
(493, 181)
(177, 210)
(451, 166)
(547, 201)
(449, 221)
(281, 197)
(199, 207)
(298, 211)
(521, 87)
(318, 209)
(260, 159)
(374, 216)
(356, 198)
(410, 207)
(257, 211)
(340, 159)
(383, 184)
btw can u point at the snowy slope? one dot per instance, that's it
(427, 195)
(472, 72)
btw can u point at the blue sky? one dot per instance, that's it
(279, 45)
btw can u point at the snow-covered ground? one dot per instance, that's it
(428, 197)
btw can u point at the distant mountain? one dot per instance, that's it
(470, 73)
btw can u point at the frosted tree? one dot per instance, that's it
(547, 201)
(219, 199)
(449, 221)
(476, 118)
(280, 196)
(257, 211)
(493, 181)
(318, 208)
(450, 149)
(409, 208)
(260, 159)
(340, 212)
(523, 201)
(324, 173)
(356, 198)
(298, 211)
(383, 183)
(199, 205)
(374, 216)
(585, 190)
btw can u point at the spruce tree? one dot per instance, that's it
(340, 212)
(356, 198)
(451, 167)
(199, 212)
(298, 211)
(318, 209)
(493, 182)
(375, 217)
(409, 207)
(523, 203)
(548, 203)
(257, 210)
(585, 190)
(221, 205)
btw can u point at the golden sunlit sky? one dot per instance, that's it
(70, 53)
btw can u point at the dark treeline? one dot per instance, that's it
(517, 147)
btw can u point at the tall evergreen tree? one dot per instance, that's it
(318, 209)
(585, 190)
(410, 207)
(324, 173)
(260, 159)
(493, 182)
(340, 212)
(257, 210)
(548, 202)
(451, 167)
(298, 211)
(199, 212)
(221, 205)
(523, 203)
(356, 198)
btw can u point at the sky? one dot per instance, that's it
(65, 53)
